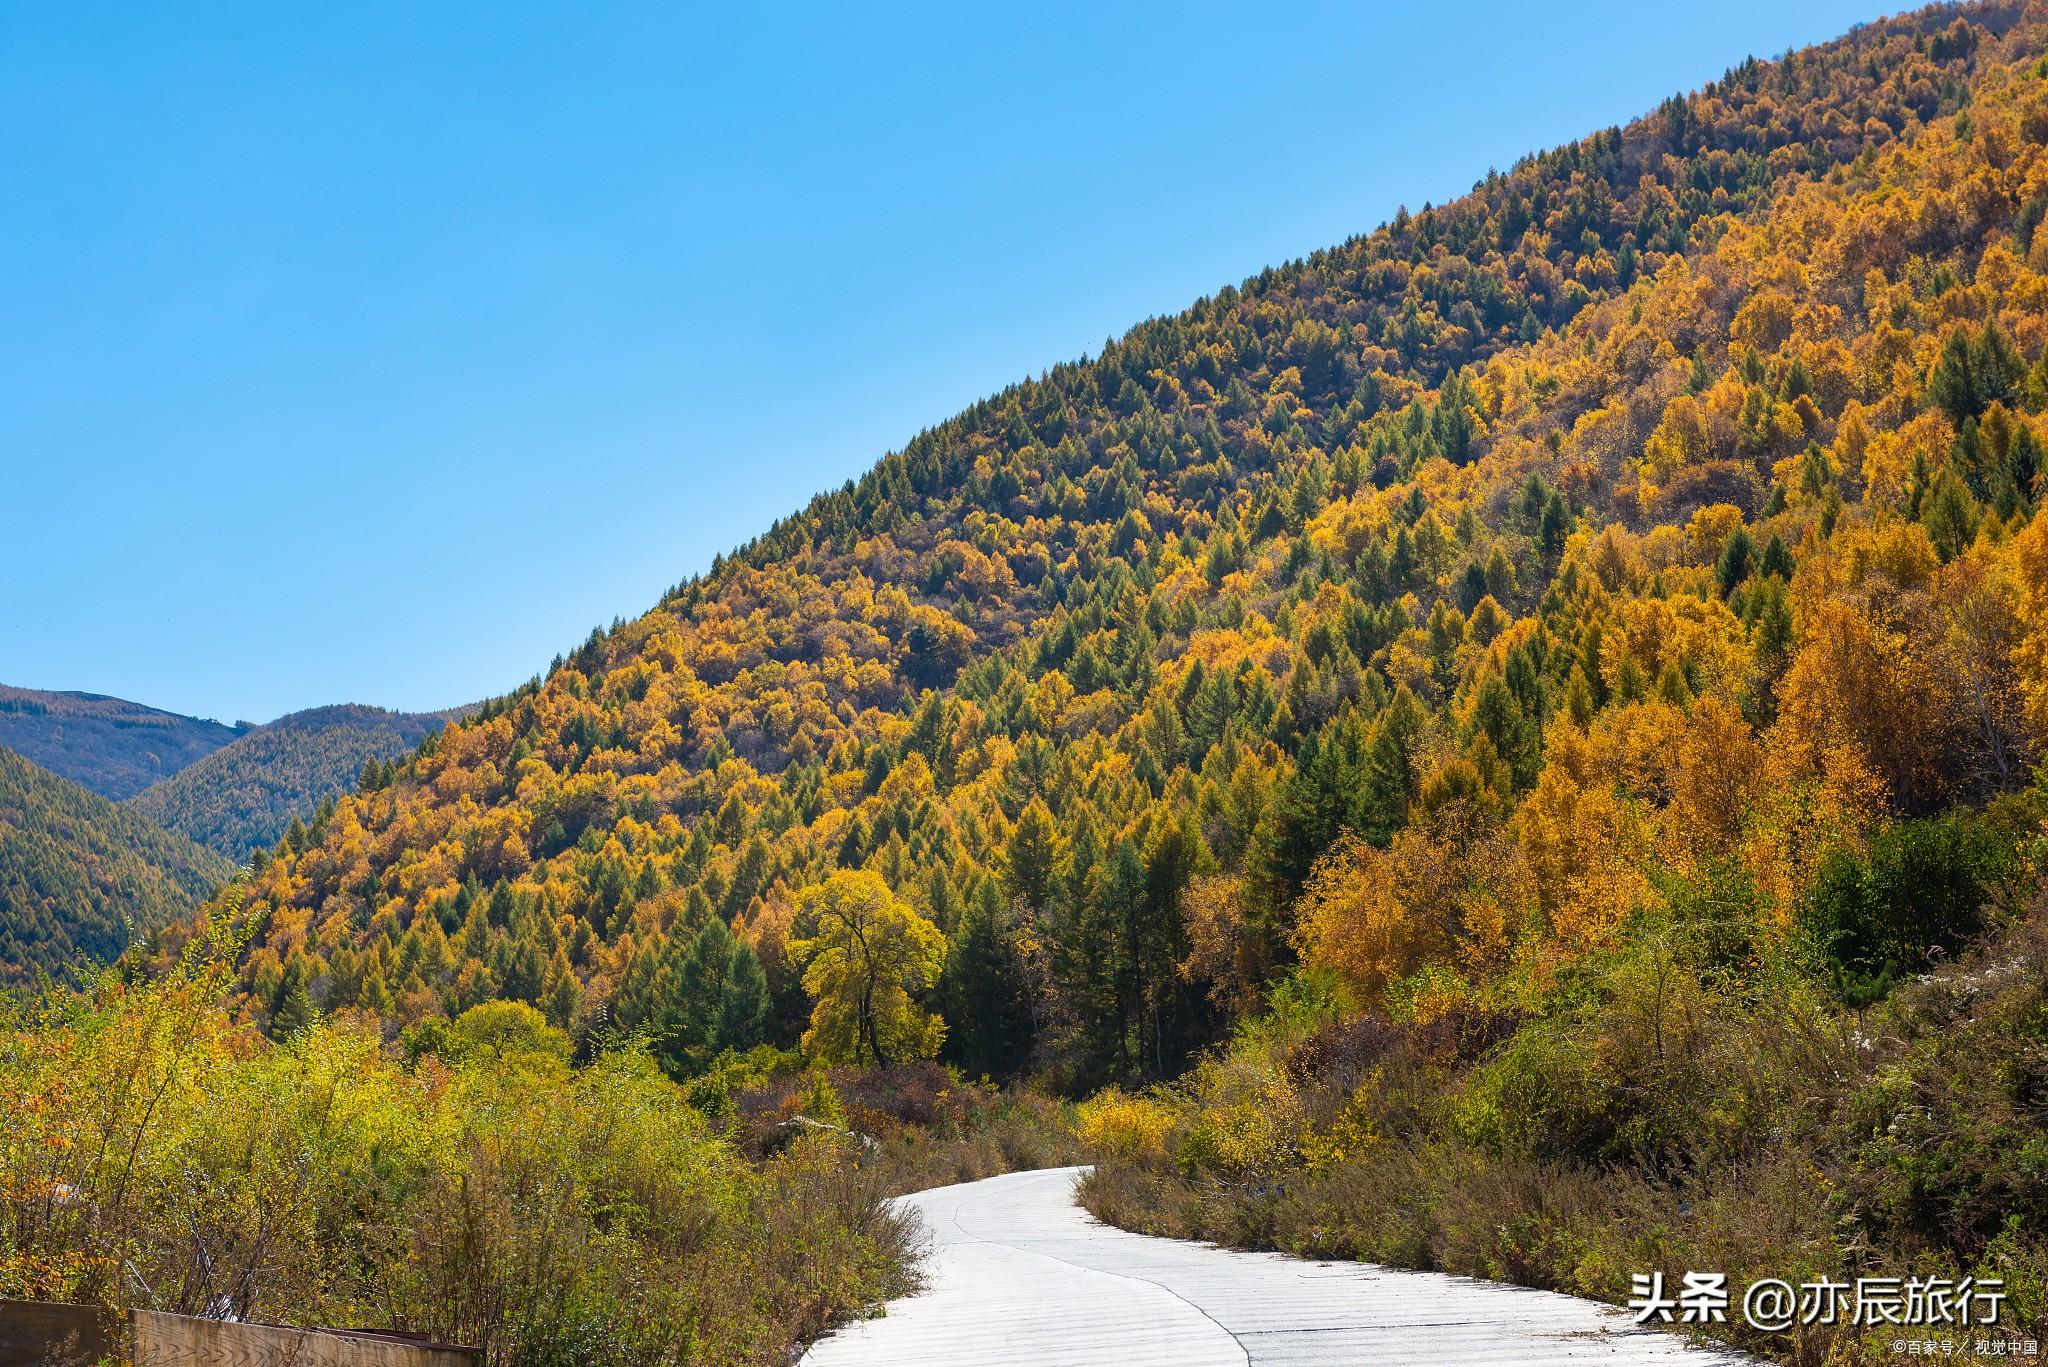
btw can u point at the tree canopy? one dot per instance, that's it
(864, 952)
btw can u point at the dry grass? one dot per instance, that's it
(1658, 1114)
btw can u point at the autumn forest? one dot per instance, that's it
(1509, 745)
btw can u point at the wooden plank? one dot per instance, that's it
(176, 1341)
(47, 1334)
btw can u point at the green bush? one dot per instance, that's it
(1919, 894)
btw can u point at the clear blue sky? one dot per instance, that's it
(374, 353)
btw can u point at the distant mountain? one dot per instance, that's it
(243, 796)
(113, 747)
(79, 873)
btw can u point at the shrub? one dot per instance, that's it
(1668, 1105)
(506, 1030)
(1918, 894)
(1119, 1125)
(158, 1153)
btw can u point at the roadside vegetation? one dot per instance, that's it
(1717, 1092)
(476, 1182)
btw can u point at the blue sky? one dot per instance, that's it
(374, 353)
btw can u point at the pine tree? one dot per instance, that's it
(1555, 526)
(1502, 719)
(1951, 517)
(743, 1007)
(1777, 559)
(1737, 558)
(291, 1008)
(1031, 859)
(984, 994)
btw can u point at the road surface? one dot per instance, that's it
(1018, 1273)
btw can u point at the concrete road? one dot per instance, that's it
(1018, 1273)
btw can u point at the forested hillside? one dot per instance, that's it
(246, 794)
(1658, 512)
(1537, 707)
(113, 747)
(78, 873)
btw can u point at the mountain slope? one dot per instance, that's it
(1409, 566)
(244, 795)
(77, 872)
(113, 747)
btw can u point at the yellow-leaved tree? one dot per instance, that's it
(864, 951)
(2030, 654)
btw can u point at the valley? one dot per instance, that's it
(1510, 748)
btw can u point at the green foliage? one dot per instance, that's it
(507, 1030)
(113, 748)
(692, 996)
(80, 876)
(243, 796)
(715, 1090)
(1738, 558)
(1951, 516)
(1920, 892)
(1977, 368)
(985, 994)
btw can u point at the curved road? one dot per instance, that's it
(1018, 1273)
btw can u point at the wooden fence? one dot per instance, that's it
(34, 1334)
(37, 1334)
